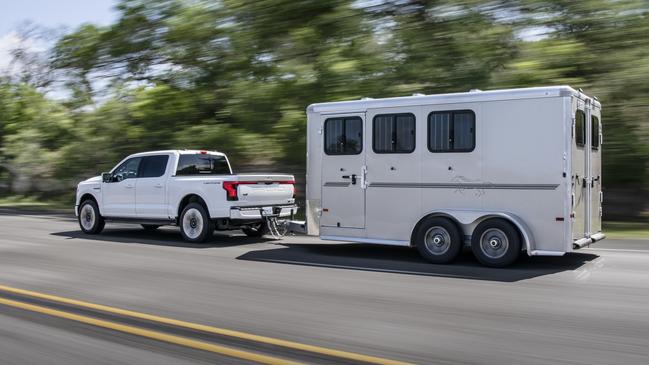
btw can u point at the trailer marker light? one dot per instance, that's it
(203, 152)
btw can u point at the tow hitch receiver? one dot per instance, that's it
(278, 228)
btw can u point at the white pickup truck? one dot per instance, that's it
(194, 190)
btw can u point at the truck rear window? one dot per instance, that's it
(202, 165)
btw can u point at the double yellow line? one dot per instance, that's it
(178, 340)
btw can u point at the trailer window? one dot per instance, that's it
(451, 131)
(343, 136)
(393, 133)
(580, 128)
(594, 132)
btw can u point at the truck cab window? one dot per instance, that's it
(199, 164)
(153, 166)
(393, 133)
(343, 136)
(127, 170)
(580, 128)
(451, 131)
(595, 132)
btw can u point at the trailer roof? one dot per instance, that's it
(471, 96)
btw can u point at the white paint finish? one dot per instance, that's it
(343, 202)
(377, 241)
(524, 146)
(160, 198)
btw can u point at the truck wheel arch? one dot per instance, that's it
(88, 196)
(467, 220)
(190, 198)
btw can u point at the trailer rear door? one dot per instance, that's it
(586, 169)
(580, 157)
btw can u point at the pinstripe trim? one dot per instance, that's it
(336, 184)
(465, 186)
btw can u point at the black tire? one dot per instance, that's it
(202, 228)
(90, 221)
(496, 243)
(150, 227)
(256, 231)
(438, 240)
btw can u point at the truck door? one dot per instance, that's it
(118, 195)
(151, 189)
(580, 171)
(596, 170)
(343, 168)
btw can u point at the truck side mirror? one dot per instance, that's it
(106, 177)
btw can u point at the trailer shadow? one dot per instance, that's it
(403, 260)
(165, 236)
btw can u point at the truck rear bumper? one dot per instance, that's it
(588, 240)
(254, 212)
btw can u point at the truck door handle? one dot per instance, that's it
(353, 177)
(129, 186)
(159, 186)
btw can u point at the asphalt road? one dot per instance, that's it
(590, 307)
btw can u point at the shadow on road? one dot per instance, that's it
(403, 260)
(160, 237)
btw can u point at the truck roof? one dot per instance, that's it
(180, 152)
(464, 97)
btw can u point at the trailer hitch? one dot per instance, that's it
(277, 227)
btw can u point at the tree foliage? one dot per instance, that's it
(236, 75)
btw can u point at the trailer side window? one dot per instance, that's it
(594, 132)
(580, 128)
(393, 133)
(343, 136)
(451, 131)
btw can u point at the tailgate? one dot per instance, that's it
(265, 189)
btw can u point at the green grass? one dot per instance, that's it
(626, 229)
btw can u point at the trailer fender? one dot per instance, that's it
(469, 219)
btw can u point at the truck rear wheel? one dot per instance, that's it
(257, 230)
(90, 221)
(496, 243)
(438, 240)
(195, 223)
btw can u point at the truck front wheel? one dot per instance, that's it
(195, 223)
(89, 219)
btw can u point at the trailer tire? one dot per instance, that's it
(195, 224)
(438, 240)
(496, 243)
(256, 232)
(90, 221)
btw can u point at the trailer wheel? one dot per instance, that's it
(90, 221)
(257, 230)
(496, 243)
(195, 223)
(438, 240)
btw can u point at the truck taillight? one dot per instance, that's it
(231, 190)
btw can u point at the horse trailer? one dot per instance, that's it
(500, 171)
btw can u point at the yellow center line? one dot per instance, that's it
(210, 329)
(177, 340)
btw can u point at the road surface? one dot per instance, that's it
(313, 302)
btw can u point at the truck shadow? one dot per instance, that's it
(406, 261)
(160, 237)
